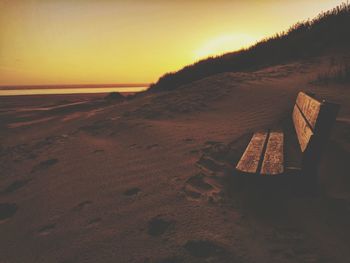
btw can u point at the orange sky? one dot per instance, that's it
(105, 41)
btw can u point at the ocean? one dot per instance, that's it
(80, 90)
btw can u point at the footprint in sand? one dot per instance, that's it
(192, 195)
(195, 187)
(47, 229)
(291, 243)
(198, 182)
(210, 165)
(152, 146)
(195, 151)
(44, 165)
(213, 164)
(201, 186)
(172, 259)
(132, 191)
(82, 205)
(7, 210)
(67, 261)
(15, 186)
(205, 249)
(94, 221)
(158, 226)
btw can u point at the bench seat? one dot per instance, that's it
(264, 154)
(297, 148)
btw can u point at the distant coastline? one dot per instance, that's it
(72, 89)
(72, 86)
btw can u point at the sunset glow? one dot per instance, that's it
(223, 44)
(57, 42)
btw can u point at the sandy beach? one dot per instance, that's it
(84, 179)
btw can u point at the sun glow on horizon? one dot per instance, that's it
(225, 43)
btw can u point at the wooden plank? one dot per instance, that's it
(273, 162)
(250, 159)
(302, 129)
(310, 108)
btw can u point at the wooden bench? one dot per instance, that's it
(295, 149)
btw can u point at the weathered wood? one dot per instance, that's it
(273, 162)
(294, 151)
(302, 128)
(310, 108)
(250, 159)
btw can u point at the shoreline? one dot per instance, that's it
(66, 91)
(77, 91)
(50, 99)
(67, 86)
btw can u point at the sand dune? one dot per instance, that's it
(148, 180)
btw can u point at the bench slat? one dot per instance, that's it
(250, 159)
(273, 162)
(302, 129)
(310, 107)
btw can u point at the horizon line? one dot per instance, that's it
(57, 86)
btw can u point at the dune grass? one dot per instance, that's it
(339, 75)
(329, 31)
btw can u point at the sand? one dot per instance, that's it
(148, 180)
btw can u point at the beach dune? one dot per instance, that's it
(84, 179)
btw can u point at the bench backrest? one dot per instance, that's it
(313, 120)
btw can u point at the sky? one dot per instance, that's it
(131, 41)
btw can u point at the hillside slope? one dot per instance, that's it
(147, 180)
(330, 31)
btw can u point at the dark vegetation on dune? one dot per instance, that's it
(329, 31)
(340, 75)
